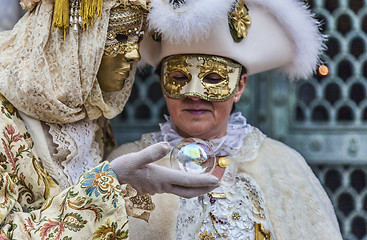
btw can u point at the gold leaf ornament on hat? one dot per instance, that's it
(239, 21)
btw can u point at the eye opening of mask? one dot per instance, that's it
(122, 38)
(213, 78)
(179, 76)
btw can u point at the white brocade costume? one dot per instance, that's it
(265, 183)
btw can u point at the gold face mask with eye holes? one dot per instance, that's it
(125, 30)
(208, 77)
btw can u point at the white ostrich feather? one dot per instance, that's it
(190, 22)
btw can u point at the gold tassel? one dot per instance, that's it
(61, 14)
(90, 9)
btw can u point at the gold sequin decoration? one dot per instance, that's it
(177, 63)
(218, 195)
(210, 65)
(126, 20)
(120, 48)
(206, 236)
(258, 210)
(261, 233)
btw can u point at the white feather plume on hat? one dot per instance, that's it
(284, 34)
(192, 21)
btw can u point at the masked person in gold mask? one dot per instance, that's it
(203, 51)
(65, 68)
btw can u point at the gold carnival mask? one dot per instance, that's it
(211, 78)
(125, 30)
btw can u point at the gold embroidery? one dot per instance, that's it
(261, 233)
(210, 65)
(143, 202)
(206, 236)
(218, 195)
(258, 210)
(177, 63)
(43, 176)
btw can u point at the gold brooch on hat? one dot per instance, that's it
(239, 21)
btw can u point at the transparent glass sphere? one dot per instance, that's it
(193, 155)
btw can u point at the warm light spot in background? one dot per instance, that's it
(323, 70)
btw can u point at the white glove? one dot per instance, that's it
(138, 170)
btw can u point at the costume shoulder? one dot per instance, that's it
(298, 206)
(32, 205)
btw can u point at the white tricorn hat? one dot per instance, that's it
(283, 34)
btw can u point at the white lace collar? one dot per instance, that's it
(227, 145)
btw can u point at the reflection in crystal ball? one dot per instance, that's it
(193, 155)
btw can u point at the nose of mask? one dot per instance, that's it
(133, 55)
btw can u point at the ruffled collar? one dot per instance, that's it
(227, 145)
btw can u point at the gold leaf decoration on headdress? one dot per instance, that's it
(239, 21)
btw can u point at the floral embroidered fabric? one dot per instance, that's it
(32, 205)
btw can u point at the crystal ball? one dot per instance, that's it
(193, 155)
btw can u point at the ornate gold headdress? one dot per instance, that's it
(84, 12)
(125, 20)
(71, 12)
